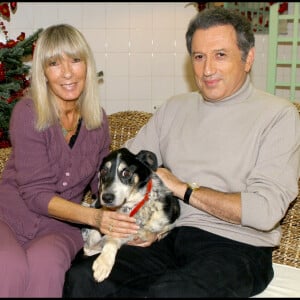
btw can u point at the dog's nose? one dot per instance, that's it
(108, 198)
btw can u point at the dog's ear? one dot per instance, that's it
(148, 158)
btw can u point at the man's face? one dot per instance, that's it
(217, 62)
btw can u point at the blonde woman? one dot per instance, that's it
(59, 136)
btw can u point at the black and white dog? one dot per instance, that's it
(129, 184)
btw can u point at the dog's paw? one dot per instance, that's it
(102, 267)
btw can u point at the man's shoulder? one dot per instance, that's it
(273, 101)
(273, 108)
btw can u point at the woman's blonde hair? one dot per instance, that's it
(52, 43)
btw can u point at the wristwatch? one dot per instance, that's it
(191, 187)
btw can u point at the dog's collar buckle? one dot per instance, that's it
(142, 202)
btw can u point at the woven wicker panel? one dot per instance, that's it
(124, 125)
(4, 155)
(288, 253)
(297, 104)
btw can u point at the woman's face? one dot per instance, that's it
(66, 77)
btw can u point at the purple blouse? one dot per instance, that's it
(43, 165)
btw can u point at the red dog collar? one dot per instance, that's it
(142, 202)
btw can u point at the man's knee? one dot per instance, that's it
(79, 277)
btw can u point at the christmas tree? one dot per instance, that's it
(14, 70)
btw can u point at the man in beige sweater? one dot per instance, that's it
(231, 153)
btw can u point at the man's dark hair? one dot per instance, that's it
(220, 16)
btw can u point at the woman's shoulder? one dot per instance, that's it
(22, 111)
(25, 103)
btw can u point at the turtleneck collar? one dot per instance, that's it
(239, 96)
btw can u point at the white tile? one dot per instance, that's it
(96, 39)
(47, 15)
(113, 105)
(141, 105)
(162, 87)
(94, 15)
(102, 95)
(116, 87)
(183, 65)
(163, 16)
(261, 42)
(117, 64)
(70, 14)
(163, 64)
(141, 40)
(140, 16)
(117, 40)
(180, 43)
(117, 15)
(164, 40)
(259, 67)
(140, 64)
(139, 88)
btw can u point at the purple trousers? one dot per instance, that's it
(35, 268)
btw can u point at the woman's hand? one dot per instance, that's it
(115, 224)
(120, 225)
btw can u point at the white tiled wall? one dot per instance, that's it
(140, 46)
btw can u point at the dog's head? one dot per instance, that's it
(124, 175)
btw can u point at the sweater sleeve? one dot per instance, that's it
(34, 175)
(273, 183)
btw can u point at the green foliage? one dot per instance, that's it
(14, 71)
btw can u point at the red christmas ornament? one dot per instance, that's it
(2, 72)
(21, 37)
(11, 43)
(283, 7)
(13, 6)
(4, 10)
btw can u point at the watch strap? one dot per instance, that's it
(187, 195)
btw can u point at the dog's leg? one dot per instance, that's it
(103, 264)
(93, 242)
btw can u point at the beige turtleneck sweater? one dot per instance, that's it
(248, 143)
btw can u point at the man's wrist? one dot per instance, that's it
(189, 190)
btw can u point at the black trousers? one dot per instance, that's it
(188, 263)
